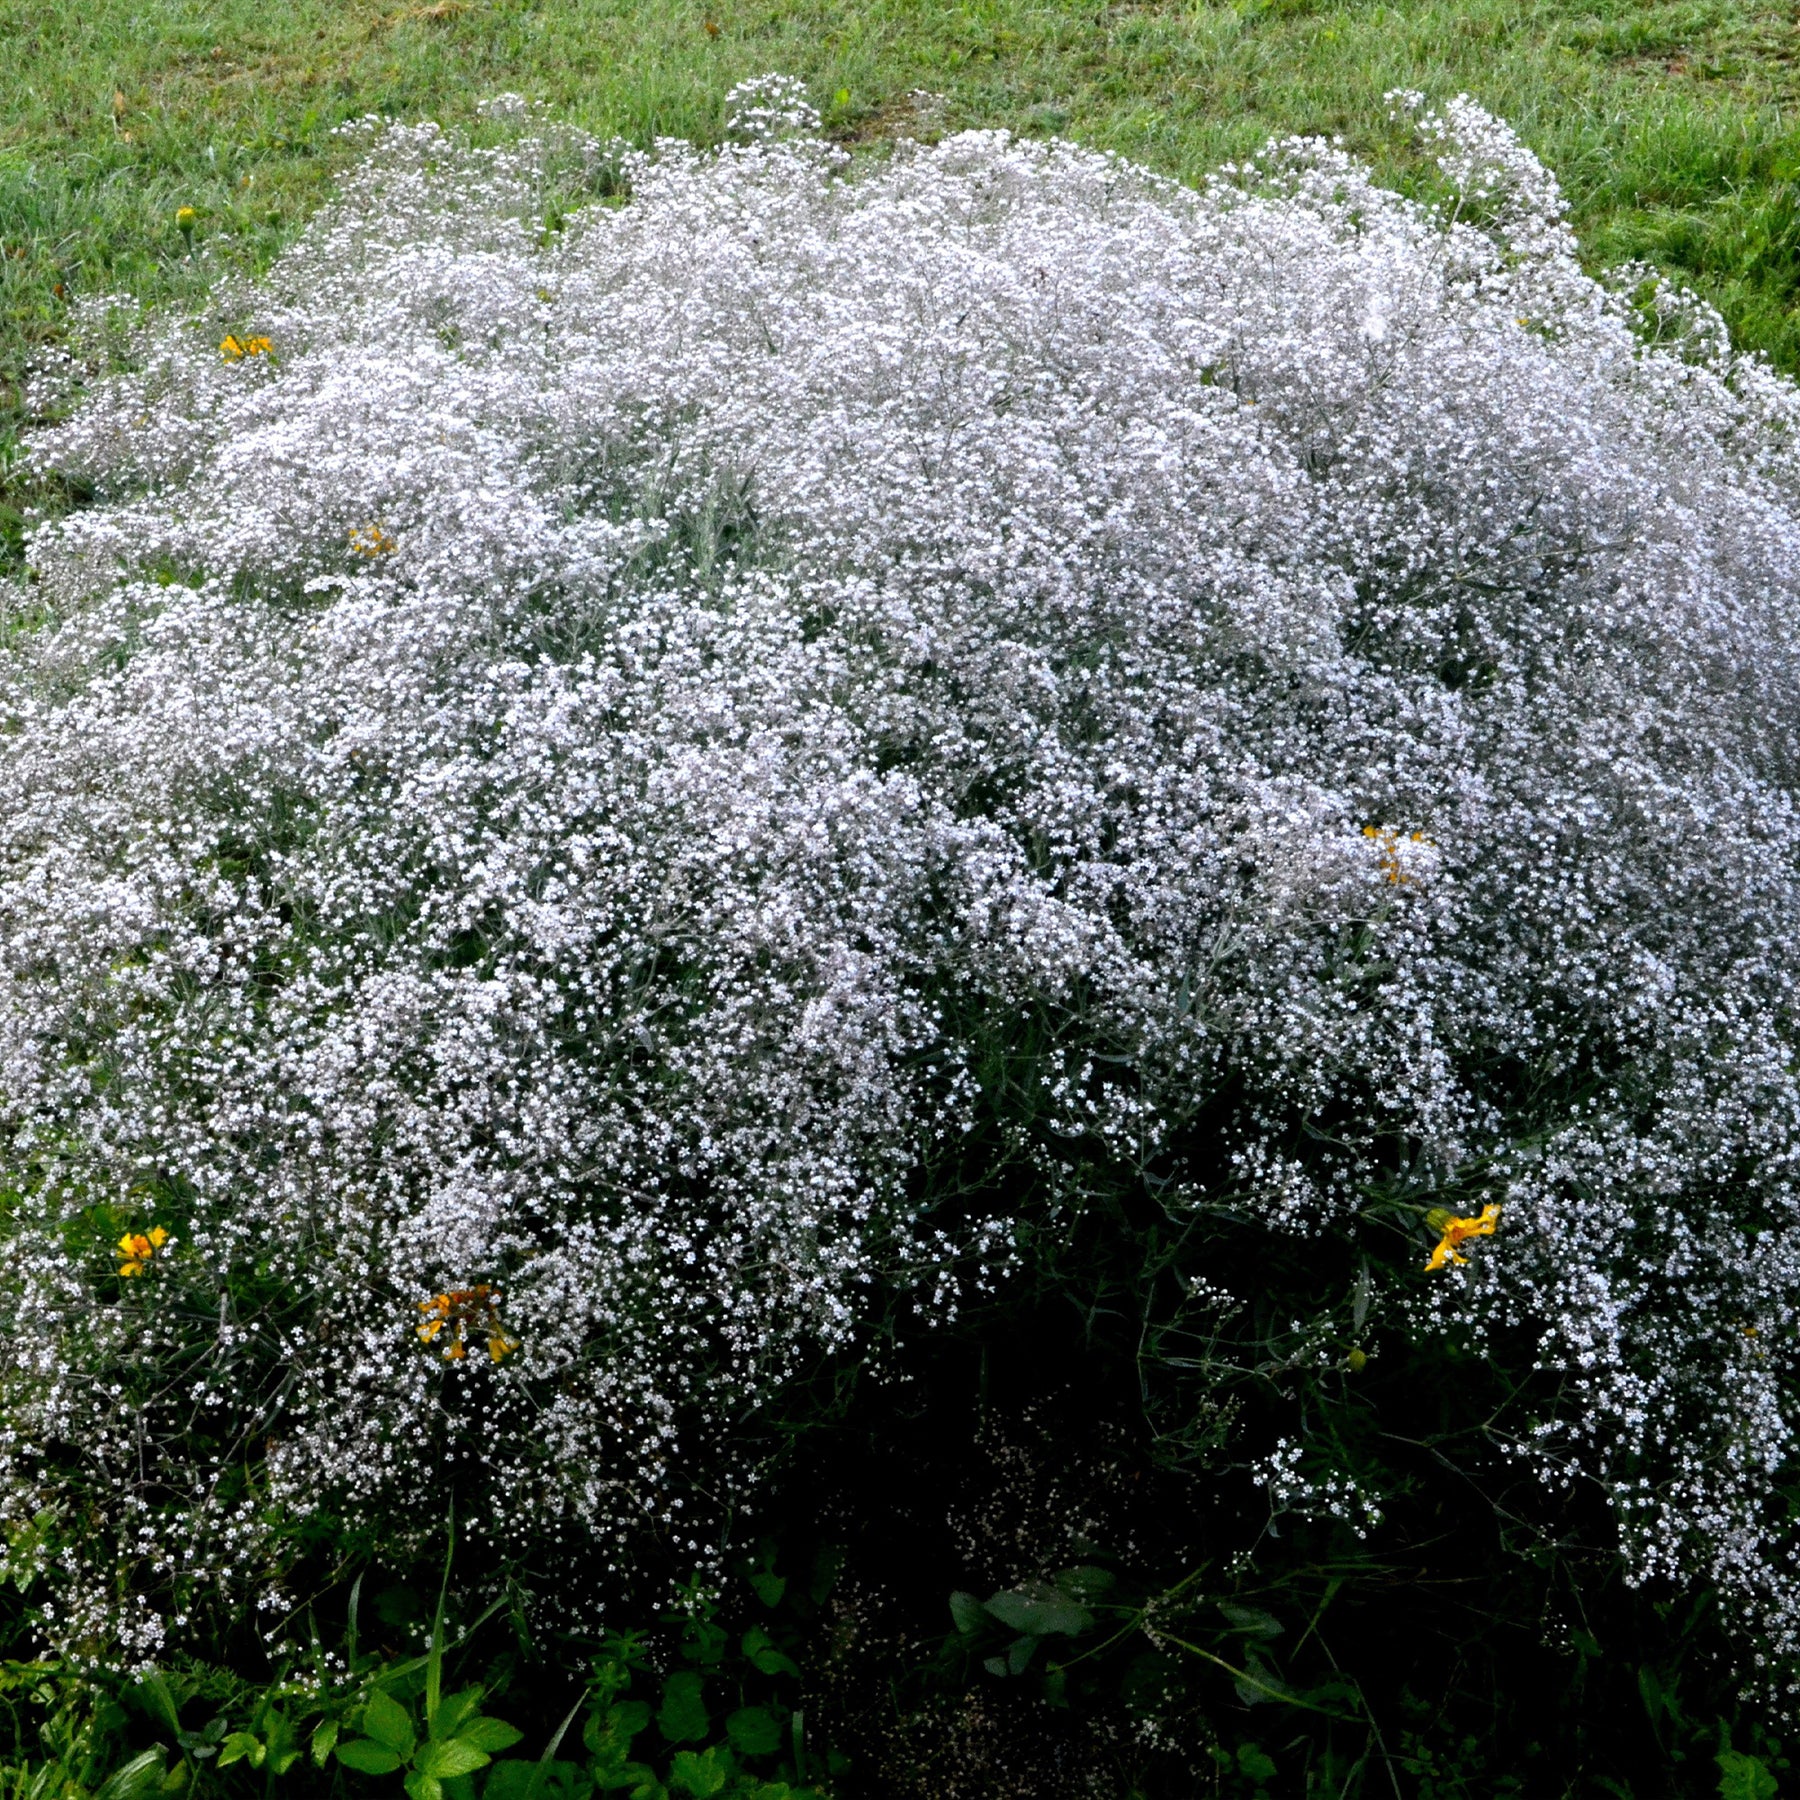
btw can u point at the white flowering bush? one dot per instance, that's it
(578, 759)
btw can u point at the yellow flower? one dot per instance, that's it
(1387, 849)
(462, 1309)
(137, 1247)
(184, 218)
(235, 349)
(1456, 1230)
(370, 540)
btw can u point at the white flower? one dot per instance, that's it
(816, 624)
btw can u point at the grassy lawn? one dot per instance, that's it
(1671, 122)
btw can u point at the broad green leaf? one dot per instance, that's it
(705, 1642)
(453, 1756)
(424, 1787)
(1251, 1620)
(760, 1648)
(518, 1779)
(1259, 1683)
(967, 1613)
(453, 1710)
(1039, 1610)
(324, 1741)
(510, 1780)
(1743, 1777)
(242, 1746)
(629, 1777)
(490, 1734)
(683, 1716)
(768, 1586)
(640, 1783)
(629, 1717)
(387, 1722)
(368, 1757)
(155, 1696)
(1086, 1584)
(283, 1744)
(137, 1778)
(701, 1773)
(753, 1731)
(1254, 1761)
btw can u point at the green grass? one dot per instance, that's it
(1671, 122)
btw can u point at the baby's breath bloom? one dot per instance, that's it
(592, 799)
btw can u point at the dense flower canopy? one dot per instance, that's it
(556, 754)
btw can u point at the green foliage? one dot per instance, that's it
(1744, 1777)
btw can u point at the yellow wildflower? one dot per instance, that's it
(1456, 1230)
(461, 1309)
(1387, 849)
(235, 349)
(137, 1247)
(185, 217)
(371, 540)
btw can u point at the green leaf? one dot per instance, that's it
(683, 1716)
(700, 1773)
(627, 1719)
(1253, 1760)
(967, 1613)
(324, 1741)
(766, 1584)
(452, 1756)
(387, 1722)
(760, 1648)
(753, 1731)
(137, 1778)
(424, 1787)
(1743, 1777)
(242, 1746)
(154, 1695)
(510, 1780)
(1086, 1584)
(518, 1779)
(489, 1734)
(1250, 1620)
(639, 1782)
(1038, 1610)
(1259, 1683)
(283, 1744)
(448, 1720)
(368, 1757)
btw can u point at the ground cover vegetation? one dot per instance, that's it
(889, 967)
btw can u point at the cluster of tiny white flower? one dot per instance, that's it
(555, 757)
(1325, 1493)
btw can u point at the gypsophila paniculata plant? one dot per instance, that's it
(565, 737)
